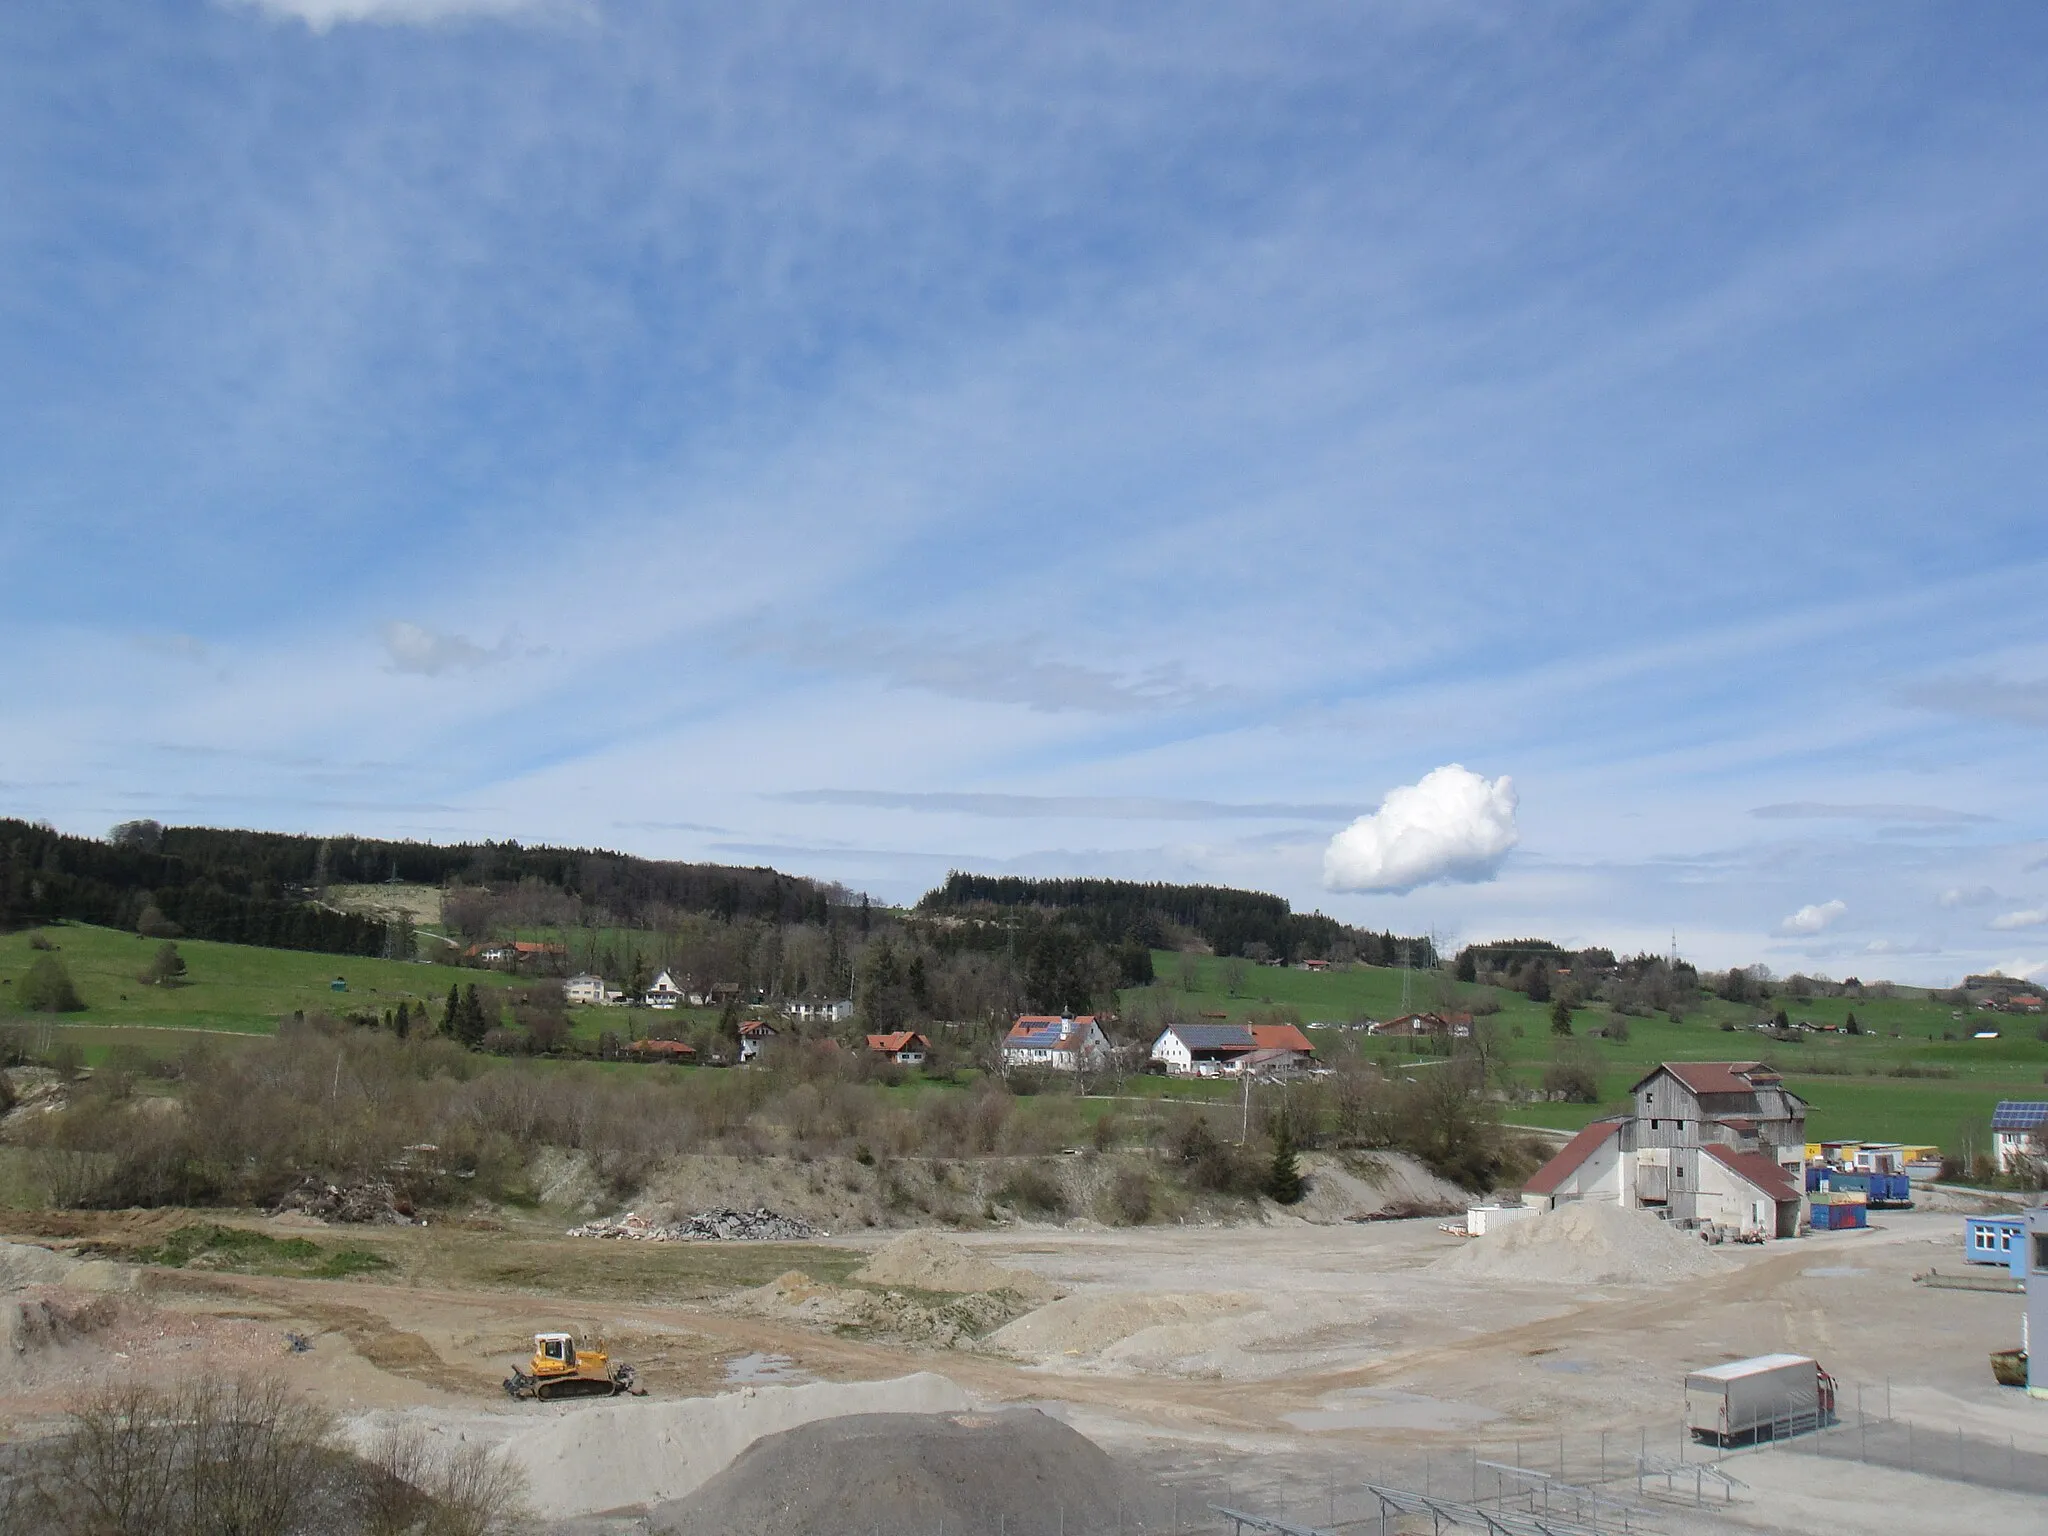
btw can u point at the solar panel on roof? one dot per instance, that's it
(2019, 1115)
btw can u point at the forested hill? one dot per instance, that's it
(1230, 922)
(263, 887)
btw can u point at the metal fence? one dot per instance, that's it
(1863, 1429)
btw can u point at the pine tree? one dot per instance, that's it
(471, 1025)
(453, 1011)
(401, 1024)
(1560, 1017)
(1283, 1180)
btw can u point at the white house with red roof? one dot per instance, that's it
(1708, 1142)
(1064, 1042)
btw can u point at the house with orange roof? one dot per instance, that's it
(905, 1047)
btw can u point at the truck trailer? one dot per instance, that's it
(1765, 1398)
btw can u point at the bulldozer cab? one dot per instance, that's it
(554, 1349)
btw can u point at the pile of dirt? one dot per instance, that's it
(1585, 1243)
(947, 1321)
(927, 1261)
(373, 1202)
(1081, 1326)
(1018, 1471)
(24, 1264)
(760, 1225)
(635, 1451)
(1373, 1186)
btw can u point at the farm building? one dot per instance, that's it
(1454, 1026)
(2019, 1133)
(1997, 1240)
(1224, 1050)
(905, 1047)
(1065, 1043)
(662, 1050)
(1709, 1143)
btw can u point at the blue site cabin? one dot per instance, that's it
(1997, 1240)
(2036, 1325)
(339, 984)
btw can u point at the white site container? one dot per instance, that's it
(1771, 1394)
(1482, 1219)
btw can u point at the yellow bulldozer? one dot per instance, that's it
(559, 1369)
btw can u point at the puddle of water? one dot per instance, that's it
(756, 1369)
(1384, 1408)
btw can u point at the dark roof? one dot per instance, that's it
(1758, 1170)
(2019, 1115)
(1215, 1037)
(1041, 1032)
(1544, 1180)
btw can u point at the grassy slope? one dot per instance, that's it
(1865, 1102)
(232, 987)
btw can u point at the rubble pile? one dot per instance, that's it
(370, 1203)
(722, 1225)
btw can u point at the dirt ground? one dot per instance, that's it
(1282, 1365)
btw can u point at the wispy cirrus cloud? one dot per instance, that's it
(321, 15)
(2009, 922)
(1082, 807)
(1822, 810)
(1981, 697)
(428, 652)
(958, 667)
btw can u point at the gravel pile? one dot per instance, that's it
(928, 1261)
(1585, 1243)
(723, 1225)
(1018, 1472)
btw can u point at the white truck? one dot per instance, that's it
(1765, 1398)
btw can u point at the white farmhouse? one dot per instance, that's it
(1063, 1043)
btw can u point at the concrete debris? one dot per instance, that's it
(722, 1225)
(371, 1203)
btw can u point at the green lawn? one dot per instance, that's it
(232, 987)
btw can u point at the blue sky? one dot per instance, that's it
(1057, 439)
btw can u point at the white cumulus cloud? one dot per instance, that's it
(1814, 917)
(1455, 825)
(2022, 969)
(1968, 896)
(2006, 922)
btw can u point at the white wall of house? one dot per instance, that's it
(1172, 1052)
(1606, 1174)
(1722, 1195)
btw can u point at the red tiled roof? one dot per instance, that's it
(755, 1027)
(1544, 1180)
(662, 1048)
(901, 1040)
(1759, 1170)
(1281, 1037)
(1705, 1077)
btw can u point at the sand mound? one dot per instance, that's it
(1079, 1326)
(929, 1261)
(592, 1457)
(913, 1316)
(1371, 1187)
(1585, 1243)
(23, 1264)
(1019, 1471)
